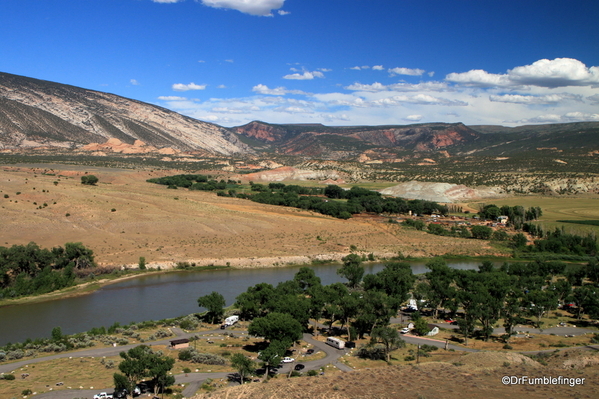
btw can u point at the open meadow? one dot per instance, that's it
(557, 210)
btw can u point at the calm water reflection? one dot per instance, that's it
(152, 298)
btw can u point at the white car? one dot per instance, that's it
(404, 330)
(103, 395)
(288, 360)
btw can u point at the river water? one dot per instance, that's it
(153, 297)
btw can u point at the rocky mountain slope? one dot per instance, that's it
(37, 113)
(338, 142)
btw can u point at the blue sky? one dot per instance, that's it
(336, 62)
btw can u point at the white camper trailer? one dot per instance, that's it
(229, 321)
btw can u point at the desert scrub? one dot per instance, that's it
(194, 356)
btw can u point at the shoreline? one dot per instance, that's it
(211, 264)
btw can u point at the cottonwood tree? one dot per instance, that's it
(388, 337)
(276, 327)
(352, 270)
(214, 303)
(244, 365)
(142, 362)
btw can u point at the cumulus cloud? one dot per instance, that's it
(479, 78)
(528, 99)
(378, 68)
(277, 91)
(560, 72)
(555, 73)
(283, 12)
(260, 8)
(167, 1)
(134, 82)
(307, 75)
(187, 87)
(413, 118)
(406, 71)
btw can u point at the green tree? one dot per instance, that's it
(141, 362)
(481, 232)
(89, 180)
(214, 303)
(244, 365)
(273, 355)
(56, 334)
(276, 327)
(142, 263)
(438, 290)
(388, 337)
(352, 270)
(306, 279)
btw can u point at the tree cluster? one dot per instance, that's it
(364, 303)
(512, 292)
(29, 269)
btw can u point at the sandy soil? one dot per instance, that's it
(123, 218)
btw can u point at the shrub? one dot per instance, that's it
(9, 376)
(376, 352)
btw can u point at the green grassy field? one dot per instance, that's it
(576, 214)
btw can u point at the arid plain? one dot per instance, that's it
(123, 217)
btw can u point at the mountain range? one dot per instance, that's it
(36, 113)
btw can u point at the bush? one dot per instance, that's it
(9, 376)
(376, 352)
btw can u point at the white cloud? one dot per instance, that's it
(221, 87)
(479, 78)
(282, 12)
(376, 86)
(413, 118)
(527, 99)
(134, 82)
(565, 118)
(172, 98)
(594, 99)
(560, 72)
(187, 87)
(307, 75)
(378, 68)
(402, 87)
(356, 68)
(406, 71)
(261, 8)
(293, 110)
(555, 73)
(167, 1)
(278, 91)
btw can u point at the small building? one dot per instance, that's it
(180, 343)
(502, 219)
(432, 330)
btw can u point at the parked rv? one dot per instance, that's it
(336, 342)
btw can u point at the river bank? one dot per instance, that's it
(156, 268)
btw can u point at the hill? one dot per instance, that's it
(36, 113)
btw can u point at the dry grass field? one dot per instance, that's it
(123, 218)
(463, 376)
